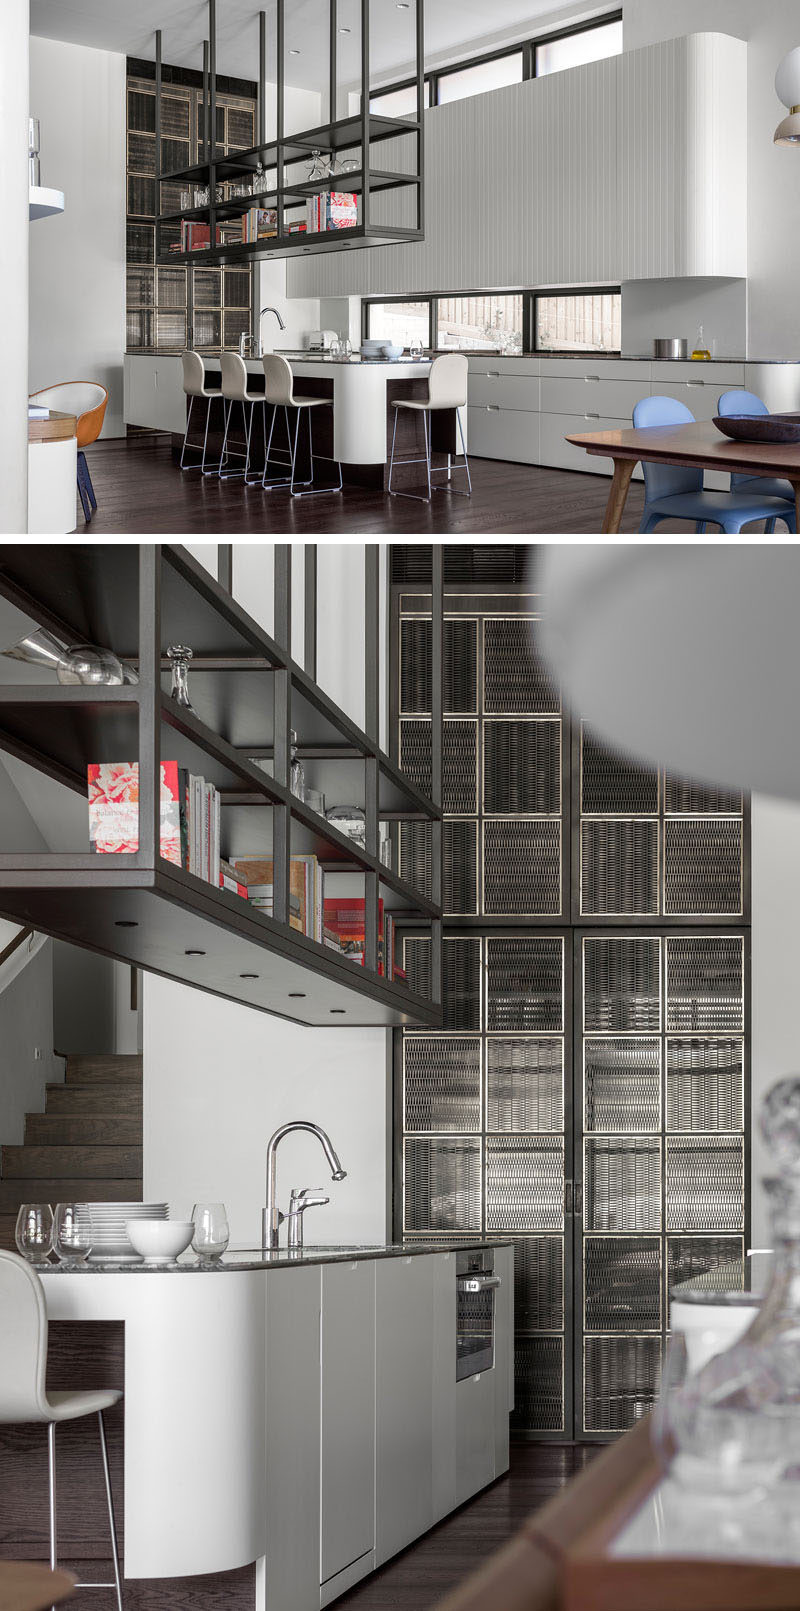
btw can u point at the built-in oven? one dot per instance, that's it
(476, 1284)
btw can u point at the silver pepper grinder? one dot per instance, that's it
(34, 165)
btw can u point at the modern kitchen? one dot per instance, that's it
(434, 272)
(399, 1162)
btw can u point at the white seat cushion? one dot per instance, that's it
(70, 1406)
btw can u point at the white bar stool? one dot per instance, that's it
(279, 390)
(235, 390)
(24, 1398)
(447, 388)
(194, 385)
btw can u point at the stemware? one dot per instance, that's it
(320, 167)
(90, 665)
(34, 1231)
(72, 1238)
(415, 347)
(211, 1230)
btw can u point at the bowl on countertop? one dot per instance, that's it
(160, 1241)
(759, 427)
(373, 348)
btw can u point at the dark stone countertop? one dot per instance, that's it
(248, 1258)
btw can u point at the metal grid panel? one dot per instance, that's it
(622, 1085)
(522, 768)
(442, 1184)
(516, 680)
(539, 1384)
(623, 1183)
(525, 983)
(622, 984)
(705, 1084)
(539, 1283)
(705, 1183)
(705, 982)
(459, 761)
(522, 867)
(461, 983)
(460, 680)
(703, 866)
(524, 1085)
(524, 1183)
(442, 1083)
(697, 1258)
(620, 1381)
(612, 785)
(619, 868)
(622, 1283)
(415, 858)
(417, 962)
(459, 867)
(687, 799)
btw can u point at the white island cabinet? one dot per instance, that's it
(311, 1402)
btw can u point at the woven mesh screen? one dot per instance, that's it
(712, 1261)
(414, 862)
(524, 1084)
(687, 799)
(524, 1183)
(525, 984)
(459, 761)
(461, 983)
(622, 987)
(622, 1283)
(522, 768)
(705, 1084)
(516, 679)
(705, 1183)
(613, 786)
(417, 963)
(622, 1085)
(539, 1384)
(539, 1283)
(620, 1381)
(623, 1183)
(705, 982)
(442, 1083)
(522, 867)
(619, 868)
(460, 678)
(703, 866)
(460, 867)
(442, 1184)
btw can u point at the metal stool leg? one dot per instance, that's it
(391, 460)
(51, 1472)
(215, 467)
(51, 1475)
(253, 480)
(111, 1520)
(186, 438)
(465, 466)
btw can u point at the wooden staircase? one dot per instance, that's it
(87, 1145)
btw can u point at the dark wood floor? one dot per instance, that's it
(424, 1573)
(140, 491)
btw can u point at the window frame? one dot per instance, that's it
(529, 295)
(571, 290)
(526, 47)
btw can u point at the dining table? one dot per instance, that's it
(699, 445)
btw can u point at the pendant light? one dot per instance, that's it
(787, 88)
(685, 656)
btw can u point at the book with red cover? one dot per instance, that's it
(344, 917)
(114, 809)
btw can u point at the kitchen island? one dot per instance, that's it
(291, 1420)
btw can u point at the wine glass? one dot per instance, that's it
(72, 1238)
(211, 1231)
(415, 347)
(34, 1231)
(92, 666)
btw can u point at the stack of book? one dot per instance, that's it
(195, 237)
(258, 223)
(331, 209)
(190, 817)
(345, 932)
(305, 890)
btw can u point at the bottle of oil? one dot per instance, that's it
(700, 349)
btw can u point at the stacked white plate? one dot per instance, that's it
(105, 1224)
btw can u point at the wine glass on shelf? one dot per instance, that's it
(211, 1231)
(72, 1238)
(34, 1231)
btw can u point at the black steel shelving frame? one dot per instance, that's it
(356, 132)
(143, 909)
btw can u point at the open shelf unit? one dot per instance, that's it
(248, 694)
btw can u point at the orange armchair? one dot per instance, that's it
(87, 400)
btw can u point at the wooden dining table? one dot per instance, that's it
(699, 445)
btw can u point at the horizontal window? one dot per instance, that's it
(480, 323)
(578, 322)
(400, 102)
(574, 50)
(401, 322)
(488, 75)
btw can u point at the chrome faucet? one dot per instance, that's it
(281, 325)
(272, 1217)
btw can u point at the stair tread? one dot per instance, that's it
(84, 1069)
(111, 1099)
(79, 1162)
(66, 1189)
(83, 1129)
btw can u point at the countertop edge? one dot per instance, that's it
(281, 1260)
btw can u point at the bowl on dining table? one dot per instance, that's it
(160, 1241)
(780, 428)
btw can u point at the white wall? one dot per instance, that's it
(776, 970)
(653, 308)
(14, 267)
(77, 264)
(773, 172)
(27, 1062)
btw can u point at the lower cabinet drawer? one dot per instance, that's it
(588, 394)
(503, 433)
(700, 396)
(489, 363)
(722, 375)
(507, 391)
(562, 455)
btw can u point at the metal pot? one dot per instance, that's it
(671, 347)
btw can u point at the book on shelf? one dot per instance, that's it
(259, 223)
(306, 881)
(331, 209)
(114, 809)
(261, 896)
(345, 930)
(196, 237)
(229, 879)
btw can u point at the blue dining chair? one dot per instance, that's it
(675, 491)
(741, 402)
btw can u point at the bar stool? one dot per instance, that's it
(447, 388)
(23, 1396)
(279, 390)
(194, 385)
(235, 390)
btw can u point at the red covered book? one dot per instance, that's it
(114, 808)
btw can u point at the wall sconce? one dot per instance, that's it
(787, 88)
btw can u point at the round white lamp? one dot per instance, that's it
(687, 656)
(787, 89)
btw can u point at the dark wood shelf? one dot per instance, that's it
(345, 133)
(298, 244)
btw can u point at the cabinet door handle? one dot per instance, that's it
(590, 415)
(567, 1198)
(695, 383)
(493, 408)
(492, 374)
(578, 1198)
(591, 377)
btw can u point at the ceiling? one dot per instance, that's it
(450, 30)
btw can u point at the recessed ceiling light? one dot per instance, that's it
(125, 923)
(297, 995)
(338, 1009)
(248, 975)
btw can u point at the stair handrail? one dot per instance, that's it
(14, 944)
(18, 952)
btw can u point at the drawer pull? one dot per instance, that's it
(590, 415)
(492, 374)
(493, 408)
(695, 383)
(592, 377)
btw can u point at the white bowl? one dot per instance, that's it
(159, 1240)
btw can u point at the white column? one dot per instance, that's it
(14, 24)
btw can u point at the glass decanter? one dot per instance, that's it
(735, 1423)
(180, 658)
(297, 771)
(701, 351)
